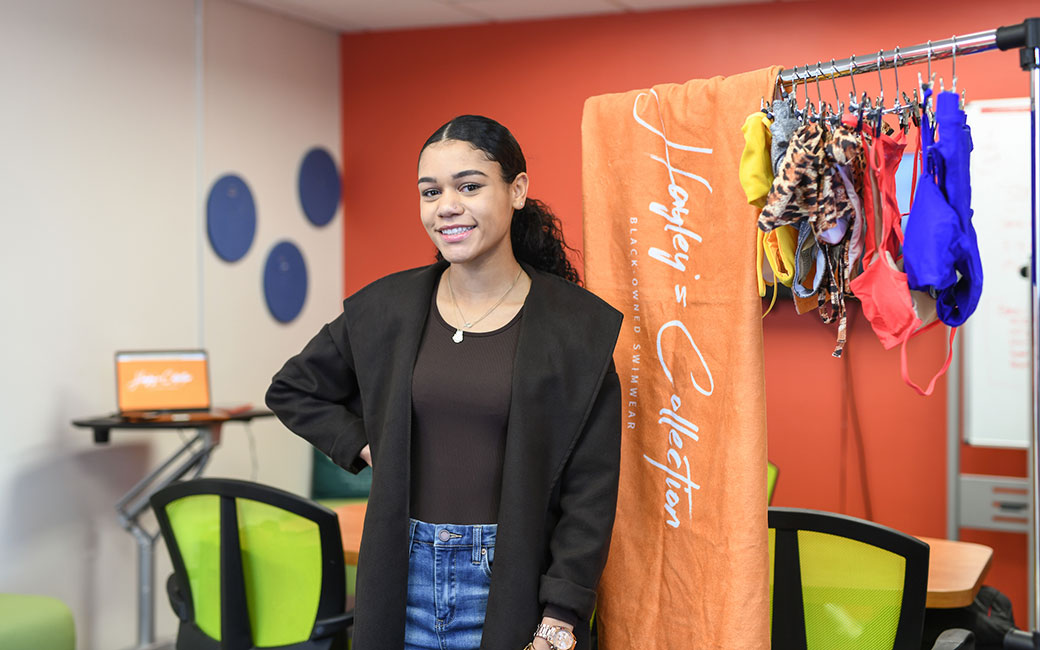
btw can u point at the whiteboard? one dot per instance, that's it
(995, 341)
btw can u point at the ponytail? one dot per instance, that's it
(538, 240)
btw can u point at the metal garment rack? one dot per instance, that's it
(1024, 37)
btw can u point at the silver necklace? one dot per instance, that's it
(457, 337)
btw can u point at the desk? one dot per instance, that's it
(351, 521)
(955, 569)
(955, 572)
(135, 502)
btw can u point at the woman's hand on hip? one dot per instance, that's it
(366, 454)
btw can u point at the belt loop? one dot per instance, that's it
(411, 535)
(476, 544)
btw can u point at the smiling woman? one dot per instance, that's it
(481, 390)
(467, 206)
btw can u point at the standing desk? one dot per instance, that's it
(132, 504)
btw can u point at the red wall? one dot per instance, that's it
(534, 77)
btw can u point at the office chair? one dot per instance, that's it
(253, 566)
(772, 473)
(1022, 640)
(840, 582)
(37, 622)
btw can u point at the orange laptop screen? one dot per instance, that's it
(162, 381)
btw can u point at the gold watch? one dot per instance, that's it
(559, 638)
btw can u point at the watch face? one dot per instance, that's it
(563, 640)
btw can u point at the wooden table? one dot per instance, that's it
(955, 572)
(955, 569)
(351, 521)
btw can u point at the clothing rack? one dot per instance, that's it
(1024, 37)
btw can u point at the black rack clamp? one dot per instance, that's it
(1026, 37)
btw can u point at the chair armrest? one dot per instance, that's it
(177, 602)
(955, 639)
(1021, 640)
(326, 627)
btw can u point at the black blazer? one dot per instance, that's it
(351, 386)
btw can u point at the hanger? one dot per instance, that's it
(819, 97)
(836, 117)
(808, 112)
(794, 95)
(923, 107)
(942, 84)
(879, 108)
(858, 105)
(897, 107)
(963, 93)
(802, 113)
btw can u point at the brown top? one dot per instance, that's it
(460, 406)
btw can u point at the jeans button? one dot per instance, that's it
(445, 535)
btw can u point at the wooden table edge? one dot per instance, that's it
(963, 595)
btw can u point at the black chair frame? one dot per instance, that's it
(788, 630)
(330, 626)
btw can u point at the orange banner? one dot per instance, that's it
(162, 384)
(670, 241)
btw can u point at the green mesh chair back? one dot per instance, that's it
(841, 582)
(254, 567)
(772, 472)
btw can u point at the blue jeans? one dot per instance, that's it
(449, 574)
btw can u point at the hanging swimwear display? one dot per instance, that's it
(834, 185)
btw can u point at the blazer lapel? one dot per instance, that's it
(564, 349)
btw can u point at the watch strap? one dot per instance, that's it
(548, 632)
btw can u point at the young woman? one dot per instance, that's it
(482, 392)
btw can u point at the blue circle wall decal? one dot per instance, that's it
(285, 281)
(319, 186)
(230, 218)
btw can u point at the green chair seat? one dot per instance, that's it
(35, 622)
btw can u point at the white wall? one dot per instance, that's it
(111, 132)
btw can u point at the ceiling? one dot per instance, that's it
(369, 15)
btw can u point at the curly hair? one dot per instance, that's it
(535, 231)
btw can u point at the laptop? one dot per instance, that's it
(164, 386)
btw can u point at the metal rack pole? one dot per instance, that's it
(884, 59)
(1025, 37)
(1034, 475)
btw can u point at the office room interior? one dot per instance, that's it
(119, 116)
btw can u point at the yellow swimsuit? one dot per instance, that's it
(777, 247)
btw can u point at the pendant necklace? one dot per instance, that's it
(457, 337)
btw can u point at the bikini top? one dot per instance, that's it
(882, 286)
(941, 249)
(896, 313)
